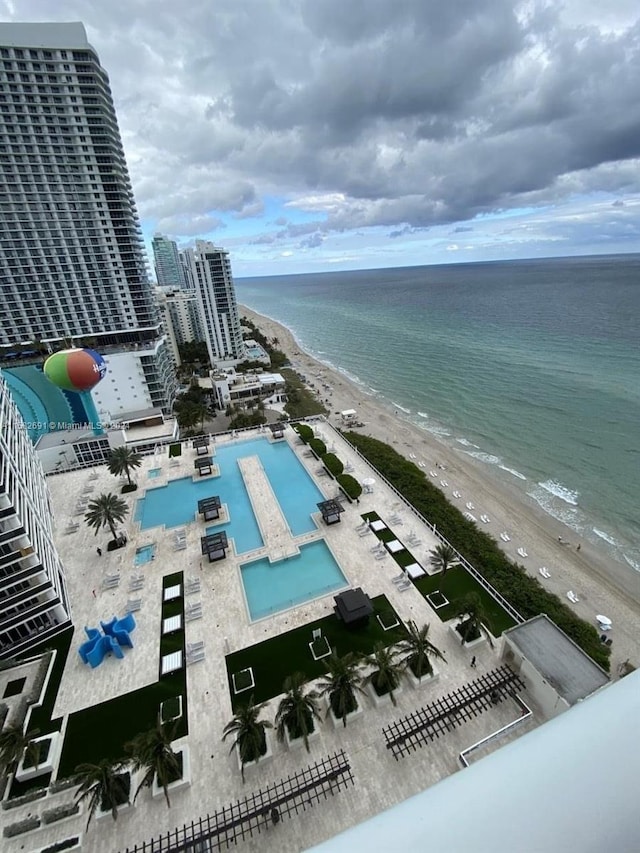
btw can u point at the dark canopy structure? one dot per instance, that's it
(209, 508)
(214, 546)
(204, 465)
(330, 510)
(353, 607)
(201, 444)
(277, 430)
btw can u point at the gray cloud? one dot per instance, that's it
(414, 112)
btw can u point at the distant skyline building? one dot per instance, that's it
(216, 296)
(168, 267)
(72, 260)
(34, 604)
(181, 318)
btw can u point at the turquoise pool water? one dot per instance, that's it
(144, 555)
(154, 472)
(272, 587)
(176, 504)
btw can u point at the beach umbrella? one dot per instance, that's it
(368, 481)
(75, 369)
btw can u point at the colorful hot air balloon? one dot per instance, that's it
(75, 369)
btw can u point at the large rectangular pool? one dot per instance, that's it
(272, 587)
(176, 504)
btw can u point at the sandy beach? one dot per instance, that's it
(603, 586)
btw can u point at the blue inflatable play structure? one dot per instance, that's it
(116, 636)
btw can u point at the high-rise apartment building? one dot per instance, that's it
(169, 270)
(216, 296)
(33, 595)
(72, 261)
(181, 318)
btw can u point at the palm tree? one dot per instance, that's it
(123, 460)
(14, 743)
(104, 785)
(296, 712)
(151, 751)
(444, 557)
(250, 732)
(418, 650)
(386, 674)
(105, 511)
(342, 680)
(473, 616)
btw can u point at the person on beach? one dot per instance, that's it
(99, 552)
(473, 662)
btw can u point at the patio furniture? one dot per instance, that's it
(136, 584)
(403, 587)
(380, 555)
(572, 597)
(180, 546)
(193, 611)
(171, 662)
(192, 586)
(353, 607)
(545, 572)
(134, 604)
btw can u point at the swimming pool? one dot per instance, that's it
(176, 504)
(153, 473)
(144, 555)
(272, 587)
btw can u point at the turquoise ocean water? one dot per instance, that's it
(532, 367)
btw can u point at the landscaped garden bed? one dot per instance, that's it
(276, 658)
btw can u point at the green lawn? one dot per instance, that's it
(101, 731)
(457, 583)
(274, 659)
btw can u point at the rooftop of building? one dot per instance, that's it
(558, 659)
(380, 781)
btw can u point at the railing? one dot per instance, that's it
(484, 583)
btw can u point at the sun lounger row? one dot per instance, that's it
(193, 611)
(72, 527)
(111, 581)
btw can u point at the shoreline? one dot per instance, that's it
(603, 585)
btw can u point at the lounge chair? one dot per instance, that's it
(380, 555)
(522, 553)
(572, 597)
(378, 547)
(135, 584)
(365, 532)
(180, 546)
(544, 572)
(134, 604)
(403, 587)
(192, 586)
(195, 657)
(195, 647)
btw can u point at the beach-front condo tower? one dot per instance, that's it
(216, 297)
(72, 259)
(33, 595)
(169, 271)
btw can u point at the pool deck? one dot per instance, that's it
(380, 781)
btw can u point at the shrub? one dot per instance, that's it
(128, 487)
(21, 826)
(333, 465)
(60, 812)
(304, 431)
(522, 591)
(350, 486)
(318, 446)
(61, 845)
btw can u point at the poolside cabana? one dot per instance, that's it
(209, 508)
(204, 465)
(277, 430)
(214, 546)
(330, 510)
(353, 607)
(201, 444)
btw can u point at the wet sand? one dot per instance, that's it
(602, 585)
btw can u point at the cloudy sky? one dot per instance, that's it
(311, 135)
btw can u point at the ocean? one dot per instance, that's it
(531, 367)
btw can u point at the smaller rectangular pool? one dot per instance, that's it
(272, 587)
(153, 473)
(144, 555)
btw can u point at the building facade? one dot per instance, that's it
(216, 297)
(166, 258)
(33, 596)
(181, 319)
(72, 261)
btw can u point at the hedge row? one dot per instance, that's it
(349, 485)
(524, 592)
